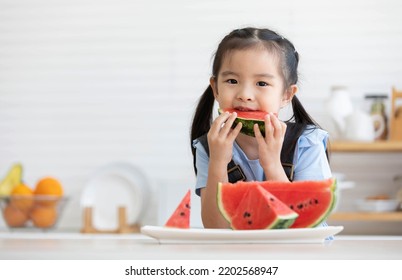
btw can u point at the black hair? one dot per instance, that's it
(247, 38)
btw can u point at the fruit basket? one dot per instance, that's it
(36, 211)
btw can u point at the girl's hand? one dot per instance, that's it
(221, 137)
(269, 148)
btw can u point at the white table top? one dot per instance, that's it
(68, 246)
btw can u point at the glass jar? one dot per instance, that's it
(378, 114)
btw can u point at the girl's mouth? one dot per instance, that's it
(245, 109)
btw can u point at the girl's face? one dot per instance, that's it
(251, 80)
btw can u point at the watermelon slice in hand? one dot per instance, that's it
(181, 216)
(248, 119)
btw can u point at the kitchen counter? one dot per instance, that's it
(70, 246)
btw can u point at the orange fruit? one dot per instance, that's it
(49, 191)
(48, 186)
(22, 197)
(43, 216)
(14, 217)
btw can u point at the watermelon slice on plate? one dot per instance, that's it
(313, 201)
(181, 216)
(259, 209)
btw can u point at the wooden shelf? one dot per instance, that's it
(367, 216)
(378, 146)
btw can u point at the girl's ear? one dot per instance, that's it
(212, 83)
(288, 95)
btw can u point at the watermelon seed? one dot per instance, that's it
(316, 201)
(182, 214)
(250, 222)
(271, 199)
(188, 206)
(246, 214)
(291, 207)
(300, 206)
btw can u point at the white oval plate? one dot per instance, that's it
(200, 235)
(113, 186)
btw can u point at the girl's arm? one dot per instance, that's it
(211, 216)
(220, 142)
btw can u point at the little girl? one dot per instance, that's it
(253, 70)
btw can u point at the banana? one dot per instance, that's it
(12, 179)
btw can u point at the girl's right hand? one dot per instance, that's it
(221, 137)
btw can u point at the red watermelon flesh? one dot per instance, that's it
(181, 216)
(250, 115)
(312, 200)
(259, 209)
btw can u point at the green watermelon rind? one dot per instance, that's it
(325, 215)
(284, 221)
(281, 222)
(219, 202)
(248, 125)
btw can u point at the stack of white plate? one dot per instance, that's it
(113, 186)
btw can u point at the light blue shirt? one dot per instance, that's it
(310, 161)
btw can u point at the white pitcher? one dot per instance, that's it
(339, 106)
(359, 127)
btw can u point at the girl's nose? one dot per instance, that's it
(245, 94)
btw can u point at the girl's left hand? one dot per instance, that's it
(269, 148)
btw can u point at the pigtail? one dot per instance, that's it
(202, 119)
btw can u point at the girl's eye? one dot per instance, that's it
(262, 84)
(231, 81)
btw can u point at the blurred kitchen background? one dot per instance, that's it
(85, 84)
